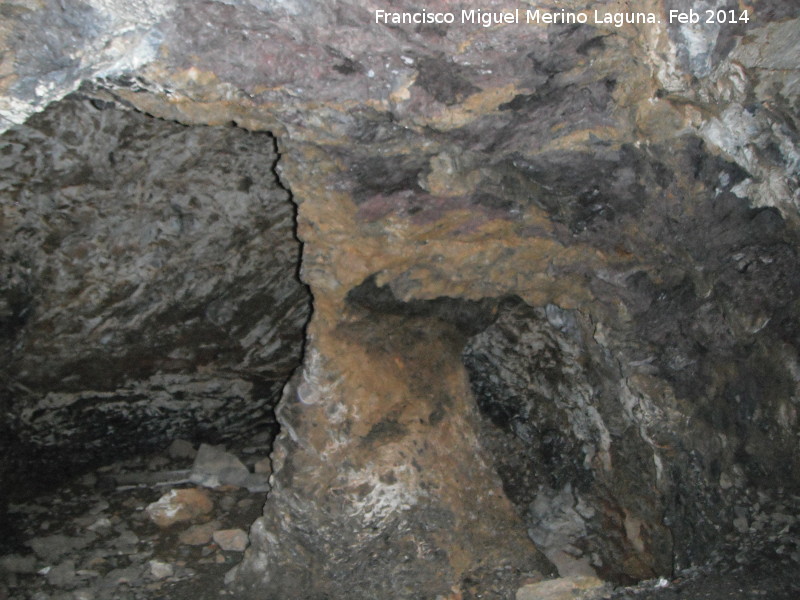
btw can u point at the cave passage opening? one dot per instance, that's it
(150, 290)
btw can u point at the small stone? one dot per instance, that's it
(83, 594)
(157, 463)
(198, 535)
(99, 507)
(227, 503)
(230, 576)
(160, 570)
(132, 503)
(263, 466)
(181, 449)
(262, 438)
(257, 482)
(563, 588)
(741, 524)
(15, 563)
(116, 577)
(179, 505)
(101, 523)
(51, 548)
(231, 540)
(96, 561)
(126, 541)
(214, 467)
(62, 575)
(87, 573)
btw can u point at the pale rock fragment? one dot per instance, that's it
(160, 570)
(179, 505)
(231, 540)
(564, 588)
(62, 575)
(214, 467)
(198, 535)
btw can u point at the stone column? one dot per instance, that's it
(380, 487)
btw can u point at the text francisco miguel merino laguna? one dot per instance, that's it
(488, 18)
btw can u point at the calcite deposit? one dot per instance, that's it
(553, 266)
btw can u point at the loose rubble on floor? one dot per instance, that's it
(174, 524)
(164, 526)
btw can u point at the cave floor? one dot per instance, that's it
(93, 538)
(762, 581)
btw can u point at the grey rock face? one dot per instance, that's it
(571, 456)
(148, 285)
(606, 471)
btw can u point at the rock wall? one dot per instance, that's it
(149, 287)
(553, 269)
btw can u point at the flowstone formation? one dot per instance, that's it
(554, 278)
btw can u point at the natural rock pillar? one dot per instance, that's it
(380, 487)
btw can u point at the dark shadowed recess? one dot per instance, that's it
(149, 289)
(468, 316)
(630, 493)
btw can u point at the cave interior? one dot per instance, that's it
(299, 305)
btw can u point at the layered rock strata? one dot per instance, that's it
(149, 287)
